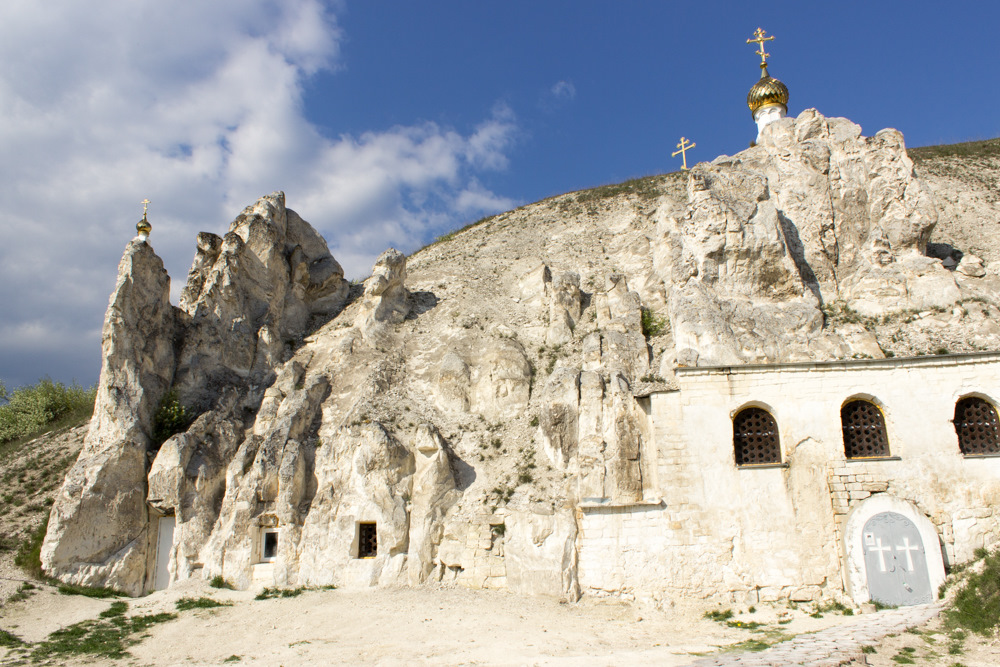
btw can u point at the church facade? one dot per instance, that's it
(803, 480)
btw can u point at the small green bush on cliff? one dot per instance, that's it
(171, 418)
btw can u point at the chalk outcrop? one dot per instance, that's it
(448, 419)
(98, 527)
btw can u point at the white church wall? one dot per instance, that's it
(767, 532)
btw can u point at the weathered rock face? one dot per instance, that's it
(97, 533)
(449, 419)
(249, 295)
(815, 214)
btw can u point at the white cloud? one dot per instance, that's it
(197, 106)
(563, 90)
(560, 94)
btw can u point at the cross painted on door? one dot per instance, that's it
(908, 549)
(880, 549)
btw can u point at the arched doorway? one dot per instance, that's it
(892, 553)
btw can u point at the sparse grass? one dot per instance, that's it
(219, 582)
(29, 552)
(976, 605)
(108, 636)
(987, 148)
(23, 593)
(184, 604)
(719, 615)
(271, 593)
(90, 592)
(868, 649)
(233, 658)
(9, 640)
(644, 188)
(444, 238)
(753, 645)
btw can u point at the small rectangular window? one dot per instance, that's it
(269, 545)
(367, 540)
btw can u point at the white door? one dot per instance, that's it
(164, 540)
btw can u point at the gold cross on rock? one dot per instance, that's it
(760, 39)
(683, 146)
(145, 204)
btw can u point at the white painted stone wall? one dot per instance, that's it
(758, 533)
(766, 116)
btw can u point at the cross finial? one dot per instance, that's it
(759, 40)
(683, 146)
(145, 205)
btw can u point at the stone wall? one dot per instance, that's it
(765, 532)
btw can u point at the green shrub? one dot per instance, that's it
(652, 324)
(170, 419)
(34, 409)
(219, 582)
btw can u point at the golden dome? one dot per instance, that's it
(767, 92)
(143, 228)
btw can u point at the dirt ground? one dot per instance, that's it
(443, 626)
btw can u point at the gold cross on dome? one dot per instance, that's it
(145, 204)
(683, 146)
(760, 39)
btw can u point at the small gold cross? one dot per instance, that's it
(683, 146)
(760, 39)
(145, 204)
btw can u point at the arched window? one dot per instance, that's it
(755, 438)
(864, 430)
(977, 427)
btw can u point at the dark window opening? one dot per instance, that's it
(755, 438)
(864, 430)
(367, 540)
(977, 427)
(270, 547)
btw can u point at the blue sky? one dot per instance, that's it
(391, 122)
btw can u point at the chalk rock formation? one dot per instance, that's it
(249, 295)
(98, 527)
(447, 420)
(815, 214)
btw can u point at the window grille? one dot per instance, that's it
(367, 540)
(755, 438)
(864, 430)
(977, 427)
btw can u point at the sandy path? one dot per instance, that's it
(428, 626)
(443, 625)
